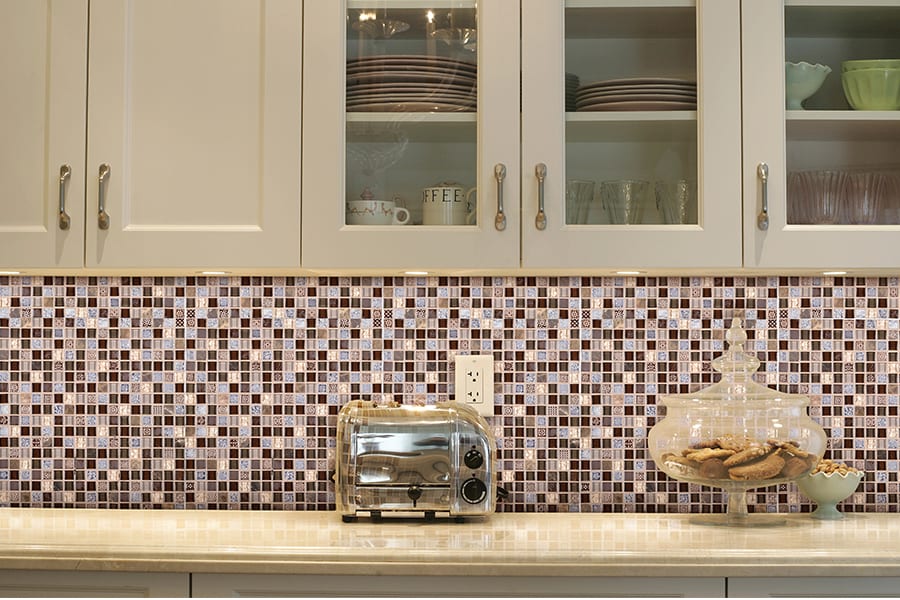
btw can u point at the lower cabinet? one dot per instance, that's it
(93, 584)
(206, 585)
(814, 587)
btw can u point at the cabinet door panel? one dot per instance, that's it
(813, 587)
(365, 144)
(43, 51)
(195, 108)
(637, 70)
(93, 584)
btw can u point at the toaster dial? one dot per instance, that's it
(473, 459)
(473, 490)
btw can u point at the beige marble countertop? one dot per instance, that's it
(502, 544)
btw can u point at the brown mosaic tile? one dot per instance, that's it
(223, 392)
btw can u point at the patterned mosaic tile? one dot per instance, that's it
(223, 393)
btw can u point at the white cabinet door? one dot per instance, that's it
(93, 584)
(621, 97)
(813, 587)
(804, 149)
(255, 586)
(43, 52)
(194, 134)
(400, 96)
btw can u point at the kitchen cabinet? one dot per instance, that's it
(93, 584)
(179, 130)
(826, 135)
(816, 587)
(527, 214)
(254, 586)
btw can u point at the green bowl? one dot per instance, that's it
(880, 63)
(872, 89)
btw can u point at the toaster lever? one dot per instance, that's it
(414, 492)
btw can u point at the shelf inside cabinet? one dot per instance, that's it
(824, 125)
(642, 126)
(417, 127)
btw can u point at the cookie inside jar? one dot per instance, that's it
(735, 434)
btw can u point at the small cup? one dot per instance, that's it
(448, 204)
(376, 212)
(624, 200)
(817, 197)
(676, 201)
(579, 196)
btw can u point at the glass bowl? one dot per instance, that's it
(736, 435)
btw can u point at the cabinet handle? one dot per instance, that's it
(500, 218)
(102, 217)
(762, 219)
(64, 221)
(540, 220)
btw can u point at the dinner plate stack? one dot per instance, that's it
(572, 83)
(643, 93)
(411, 83)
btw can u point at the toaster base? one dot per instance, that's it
(377, 515)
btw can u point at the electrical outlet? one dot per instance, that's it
(475, 382)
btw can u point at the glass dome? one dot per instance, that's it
(736, 434)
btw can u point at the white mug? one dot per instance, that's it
(376, 212)
(448, 204)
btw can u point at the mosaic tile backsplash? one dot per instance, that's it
(223, 393)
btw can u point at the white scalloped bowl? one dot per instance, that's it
(802, 80)
(827, 489)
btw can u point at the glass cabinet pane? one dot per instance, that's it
(842, 91)
(631, 121)
(411, 112)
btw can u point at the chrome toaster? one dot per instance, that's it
(423, 460)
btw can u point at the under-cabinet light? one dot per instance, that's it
(629, 272)
(214, 272)
(834, 272)
(413, 273)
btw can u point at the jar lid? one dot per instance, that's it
(737, 384)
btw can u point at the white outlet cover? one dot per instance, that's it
(478, 394)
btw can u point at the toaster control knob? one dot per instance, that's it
(473, 490)
(414, 492)
(473, 459)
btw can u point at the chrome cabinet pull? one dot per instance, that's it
(540, 220)
(102, 217)
(500, 218)
(64, 221)
(762, 219)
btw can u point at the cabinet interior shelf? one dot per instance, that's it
(871, 19)
(671, 20)
(848, 125)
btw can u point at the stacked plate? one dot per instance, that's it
(643, 93)
(411, 83)
(572, 83)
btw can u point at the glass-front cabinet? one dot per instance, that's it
(536, 135)
(821, 134)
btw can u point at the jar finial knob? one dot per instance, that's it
(735, 359)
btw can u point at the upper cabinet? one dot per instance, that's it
(43, 70)
(821, 172)
(191, 129)
(611, 141)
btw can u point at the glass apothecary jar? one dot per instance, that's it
(736, 434)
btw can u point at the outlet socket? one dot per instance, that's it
(475, 382)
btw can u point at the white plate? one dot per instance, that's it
(642, 81)
(653, 89)
(411, 107)
(465, 99)
(635, 98)
(638, 105)
(409, 60)
(403, 88)
(404, 76)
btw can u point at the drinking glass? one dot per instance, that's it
(624, 200)
(676, 200)
(579, 196)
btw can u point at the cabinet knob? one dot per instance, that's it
(540, 220)
(762, 219)
(500, 218)
(102, 217)
(64, 221)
